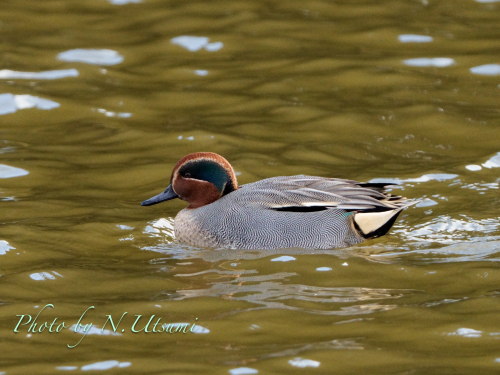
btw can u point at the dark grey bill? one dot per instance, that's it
(168, 194)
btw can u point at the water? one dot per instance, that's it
(100, 98)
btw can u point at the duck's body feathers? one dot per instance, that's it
(278, 212)
(294, 211)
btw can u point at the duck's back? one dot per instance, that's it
(282, 212)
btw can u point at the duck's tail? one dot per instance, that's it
(376, 223)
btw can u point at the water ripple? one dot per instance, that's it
(447, 230)
(262, 291)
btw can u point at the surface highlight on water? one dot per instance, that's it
(100, 99)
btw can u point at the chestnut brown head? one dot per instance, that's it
(200, 179)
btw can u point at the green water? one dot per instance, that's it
(277, 88)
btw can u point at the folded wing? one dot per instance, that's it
(374, 210)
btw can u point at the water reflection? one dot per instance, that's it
(12, 103)
(486, 70)
(424, 178)
(201, 72)
(446, 230)
(38, 276)
(481, 187)
(4, 247)
(163, 227)
(196, 43)
(473, 167)
(302, 363)
(49, 74)
(412, 38)
(112, 114)
(493, 162)
(6, 171)
(91, 56)
(293, 350)
(476, 249)
(426, 202)
(105, 365)
(466, 332)
(4, 150)
(243, 371)
(438, 62)
(123, 2)
(93, 330)
(268, 291)
(323, 269)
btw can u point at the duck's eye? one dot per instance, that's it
(187, 174)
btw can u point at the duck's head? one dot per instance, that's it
(199, 179)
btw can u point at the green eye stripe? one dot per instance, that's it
(206, 170)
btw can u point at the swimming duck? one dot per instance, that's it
(278, 212)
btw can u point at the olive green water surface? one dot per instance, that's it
(365, 90)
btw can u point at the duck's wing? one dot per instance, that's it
(374, 209)
(318, 193)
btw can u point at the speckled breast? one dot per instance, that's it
(188, 232)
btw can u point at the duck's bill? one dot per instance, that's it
(168, 194)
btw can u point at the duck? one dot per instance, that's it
(279, 212)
